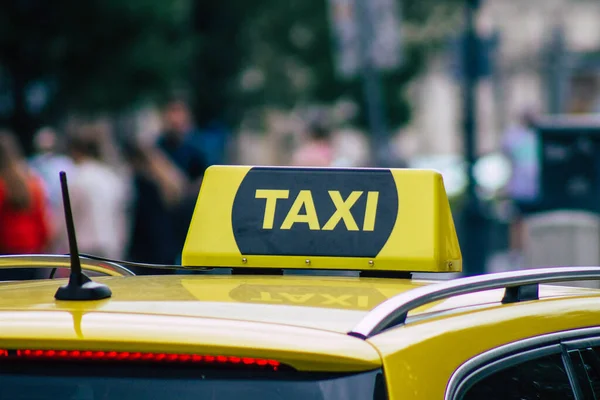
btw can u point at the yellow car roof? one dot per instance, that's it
(318, 302)
(300, 321)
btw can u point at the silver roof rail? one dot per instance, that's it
(518, 285)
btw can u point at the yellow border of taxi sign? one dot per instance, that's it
(323, 218)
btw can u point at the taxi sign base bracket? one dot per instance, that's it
(386, 274)
(256, 271)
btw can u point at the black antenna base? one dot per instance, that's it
(88, 290)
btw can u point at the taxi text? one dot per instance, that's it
(305, 200)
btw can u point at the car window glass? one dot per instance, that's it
(541, 378)
(591, 361)
(580, 373)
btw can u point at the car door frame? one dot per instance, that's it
(493, 360)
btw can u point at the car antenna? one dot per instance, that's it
(80, 287)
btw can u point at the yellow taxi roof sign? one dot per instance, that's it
(323, 218)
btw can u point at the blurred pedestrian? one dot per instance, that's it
(214, 143)
(48, 162)
(24, 224)
(351, 148)
(318, 150)
(99, 198)
(158, 189)
(520, 145)
(181, 142)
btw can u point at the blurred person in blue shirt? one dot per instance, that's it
(191, 151)
(520, 145)
(181, 141)
(158, 187)
(190, 148)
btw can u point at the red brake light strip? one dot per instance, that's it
(138, 356)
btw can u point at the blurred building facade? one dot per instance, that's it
(547, 58)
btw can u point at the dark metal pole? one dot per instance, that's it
(558, 70)
(474, 227)
(470, 86)
(376, 115)
(372, 88)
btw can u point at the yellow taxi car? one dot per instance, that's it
(364, 328)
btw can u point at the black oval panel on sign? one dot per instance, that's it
(353, 215)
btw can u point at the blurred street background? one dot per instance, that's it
(136, 98)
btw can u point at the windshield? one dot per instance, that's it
(103, 382)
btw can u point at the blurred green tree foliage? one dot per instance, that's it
(289, 44)
(235, 55)
(87, 56)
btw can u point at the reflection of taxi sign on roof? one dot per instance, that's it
(360, 219)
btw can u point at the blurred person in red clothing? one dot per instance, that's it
(24, 224)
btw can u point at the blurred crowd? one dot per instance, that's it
(138, 209)
(138, 206)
